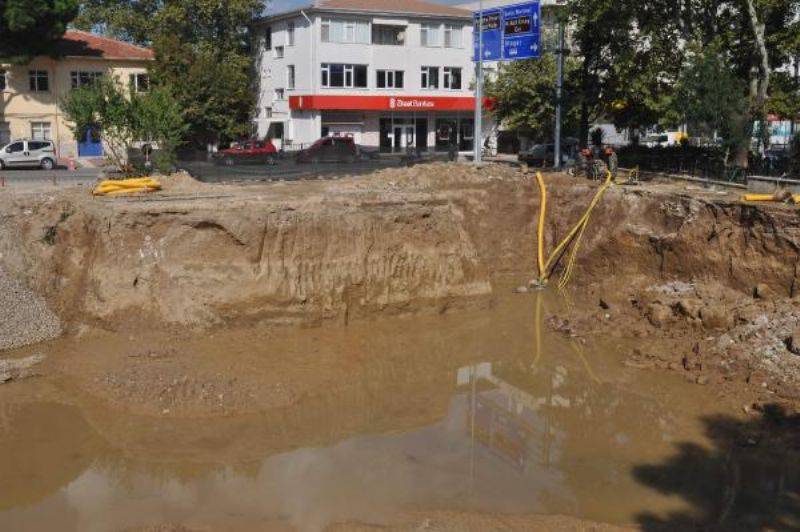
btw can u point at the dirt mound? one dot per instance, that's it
(24, 316)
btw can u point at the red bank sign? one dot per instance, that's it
(382, 103)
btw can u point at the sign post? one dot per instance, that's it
(509, 33)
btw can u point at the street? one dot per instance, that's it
(29, 180)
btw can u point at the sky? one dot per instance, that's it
(285, 5)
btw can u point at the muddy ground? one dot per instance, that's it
(168, 300)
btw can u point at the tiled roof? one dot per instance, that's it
(415, 7)
(83, 44)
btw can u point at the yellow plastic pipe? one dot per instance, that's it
(542, 216)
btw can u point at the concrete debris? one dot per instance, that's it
(24, 316)
(15, 369)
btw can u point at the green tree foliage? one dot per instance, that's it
(710, 98)
(525, 94)
(31, 27)
(125, 118)
(202, 54)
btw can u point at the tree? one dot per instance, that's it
(202, 54)
(525, 94)
(710, 98)
(124, 119)
(31, 27)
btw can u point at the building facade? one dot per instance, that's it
(30, 94)
(392, 74)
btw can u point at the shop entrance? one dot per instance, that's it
(399, 134)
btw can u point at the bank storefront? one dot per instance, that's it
(393, 124)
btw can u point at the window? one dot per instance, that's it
(279, 94)
(3, 81)
(5, 133)
(40, 130)
(84, 79)
(279, 52)
(345, 31)
(430, 77)
(388, 35)
(290, 76)
(17, 147)
(389, 79)
(452, 78)
(452, 36)
(267, 112)
(344, 76)
(290, 34)
(430, 35)
(139, 82)
(35, 145)
(39, 80)
(268, 38)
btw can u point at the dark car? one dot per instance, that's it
(544, 154)
(248, 152)
(330, 150)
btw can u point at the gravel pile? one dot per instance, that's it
(24, 316)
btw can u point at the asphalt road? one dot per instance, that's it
(23, 179)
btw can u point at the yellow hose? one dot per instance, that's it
(126, 186)
(578, 230)
(768, 197)
(542, 215)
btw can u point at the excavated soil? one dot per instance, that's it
(216, 334)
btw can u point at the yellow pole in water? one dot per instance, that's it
(542, 216)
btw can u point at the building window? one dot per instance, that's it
(40, 130)
(388, 35)
(84, 79)
(345, 31)
(344, 76)
(290, 76)
(279, 52)
(139, 82)
(268, 38)
(452, 78)
(452, 36)
(39, 80)
(430, 35)
(267, 112)
(3, 80)
(279, 94)
(390, 79)
(430, 77)
(290, 34)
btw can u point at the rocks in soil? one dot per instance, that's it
(15, 369)
(793, 342)
(716, 317)
(658, 315)
(24, 316)
(762, 291)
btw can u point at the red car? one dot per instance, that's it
(248, 152)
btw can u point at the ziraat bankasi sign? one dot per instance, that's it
(381, 103)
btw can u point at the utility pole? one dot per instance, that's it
(559, 93)
(478, 133)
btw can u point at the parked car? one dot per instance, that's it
(330, 150)
(30, 153)
(544, 154)
(248, 152)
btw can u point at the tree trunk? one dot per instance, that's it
(759, 87)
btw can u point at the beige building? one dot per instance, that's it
(30, 94)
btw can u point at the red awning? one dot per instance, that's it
(383, 103)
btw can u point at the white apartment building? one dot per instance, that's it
(391, 73)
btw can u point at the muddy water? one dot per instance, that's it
(485, 412)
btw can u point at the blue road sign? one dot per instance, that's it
(510, 33)
(492, 35)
